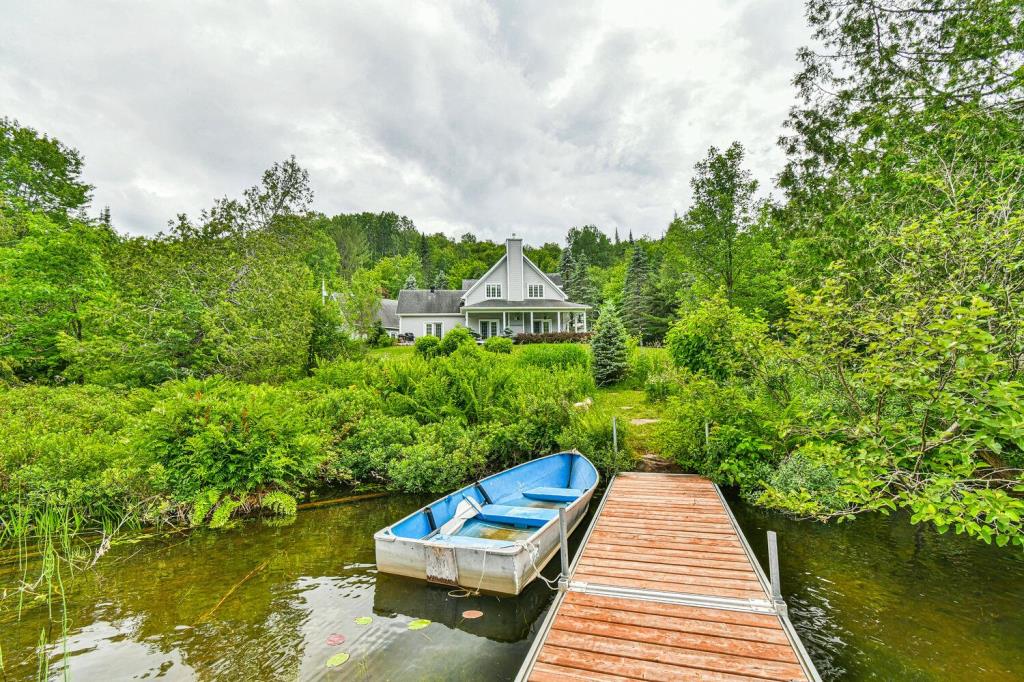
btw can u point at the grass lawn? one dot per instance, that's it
(627, 405)
(391, 352)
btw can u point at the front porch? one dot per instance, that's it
(488, 323)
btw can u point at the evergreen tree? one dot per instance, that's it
(636, 294)
(581, 287)
(440, 280)
(424, 254)
(567, 267)
(410, 282)
(609, 347)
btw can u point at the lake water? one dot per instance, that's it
(875, 599)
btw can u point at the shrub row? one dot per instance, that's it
(196, 450)
(554, 337)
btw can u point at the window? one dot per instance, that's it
(535, 291)
(541, 326)
(433, 329)
(493, 291)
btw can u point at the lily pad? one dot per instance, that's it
(335, 640)
(336, 660)
(364, 620)
(472, 613)
(419, 624)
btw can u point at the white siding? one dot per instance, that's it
(531, 275)
(514, 251)
(499, 276)
(414, 323)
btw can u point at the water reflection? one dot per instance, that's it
(261, 601)
(875, 599)
(882, 599)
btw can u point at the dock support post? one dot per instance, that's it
(773, 571)
(563, 534)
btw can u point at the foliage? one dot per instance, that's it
(724, 432)
(590, 432)
(48, 279)
(589, 243)
(579, 281)
(722, 211)
(327, 339)
(636, 303)
(455, 338)
(609, 347)
(232, 438)
(498, 344)
(555, 356)
(554, 337)
(39, 173)
(716, 339)
(427, 346)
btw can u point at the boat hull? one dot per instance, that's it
(498, 571)
(516, 531)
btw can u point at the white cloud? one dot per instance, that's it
(491, 118)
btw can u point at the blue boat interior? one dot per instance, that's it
(504, 508)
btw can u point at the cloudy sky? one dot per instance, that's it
(466, 116)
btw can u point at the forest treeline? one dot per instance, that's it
(848, 340)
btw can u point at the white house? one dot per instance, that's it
(514, 294)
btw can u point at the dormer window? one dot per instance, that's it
(493, 290)
(535, 291)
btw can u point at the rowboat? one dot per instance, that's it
(494, 535)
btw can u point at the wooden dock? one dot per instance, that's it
(665, 587)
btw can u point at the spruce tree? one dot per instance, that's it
(567, 267)
(410, 282)
(636, 299)
(609, 347)
(440, 280)
(581, 287)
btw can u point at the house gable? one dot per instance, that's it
(534, 275)
(498, 274)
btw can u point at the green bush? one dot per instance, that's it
(455, 339)
(805, 475)
(722, 432)
(553, 356)
(232, 438)
(644, 362)
(716, 339)
(444, 456)
(661, 384)
(205, 450)
(591, 434)
(71, 446)
(328, 339)
(427, 346)
(498, 344)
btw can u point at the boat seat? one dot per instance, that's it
(553, 494)
(470, 542)
(533, 517)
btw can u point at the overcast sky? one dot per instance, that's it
(484, 117)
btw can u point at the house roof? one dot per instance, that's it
(526, 304)
(467, 283)
(427, 302)
(388, 313)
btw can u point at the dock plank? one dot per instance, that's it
(664, 589)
